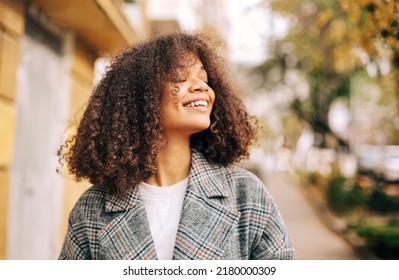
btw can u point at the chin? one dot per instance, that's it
(200, 128)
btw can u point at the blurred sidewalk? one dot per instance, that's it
(310, 236)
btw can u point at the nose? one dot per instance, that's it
(199, 85)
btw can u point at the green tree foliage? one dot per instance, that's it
(382, 239)
(343, 196)
(327, 43)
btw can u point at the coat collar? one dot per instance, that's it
(205, 226)
(204, 178)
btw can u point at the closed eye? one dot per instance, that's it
(179, 81)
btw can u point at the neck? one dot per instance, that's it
(174, 163)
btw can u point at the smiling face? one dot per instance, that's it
(188, 102)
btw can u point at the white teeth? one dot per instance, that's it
(197, 103)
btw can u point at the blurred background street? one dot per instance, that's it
(321, 76)
(312, 238)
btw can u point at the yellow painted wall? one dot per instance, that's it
(12, 16)
(82, 81)
(7, 132)
(12, 25)
(9, 59)
(82, 74)
(11, 29)
(4, 192)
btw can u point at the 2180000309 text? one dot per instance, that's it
(246, 270)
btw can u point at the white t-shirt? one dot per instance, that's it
(163, 206)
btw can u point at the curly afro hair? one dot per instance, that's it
(121, 132)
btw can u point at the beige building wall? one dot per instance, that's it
(11, 30)
(82, 75)
(104, 29)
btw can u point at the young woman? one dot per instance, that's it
(157, 141)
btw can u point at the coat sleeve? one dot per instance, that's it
(273, 242)
(76, 244)
(71, 249)
(74, 247)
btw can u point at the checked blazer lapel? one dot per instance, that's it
(127, 236)
(206, 222)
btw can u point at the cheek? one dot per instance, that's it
(170, 107)
(212, 95)
(171, 97)
(175, 94)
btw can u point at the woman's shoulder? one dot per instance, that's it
(248, 190)
(93, 195)
(242, 175)
(90, 202)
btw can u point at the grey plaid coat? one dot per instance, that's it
(227, 214)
